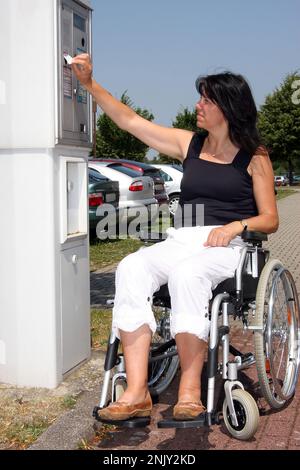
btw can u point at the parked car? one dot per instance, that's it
(145, 170)
(136, 191)
(101, 191)
(172, 176)
(281, 180)
(296, 179)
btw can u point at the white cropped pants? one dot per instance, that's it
(191, 271)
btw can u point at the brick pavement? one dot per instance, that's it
(277, 430)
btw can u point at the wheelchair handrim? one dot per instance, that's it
(291, 373)
(263, 336)
(283, 388)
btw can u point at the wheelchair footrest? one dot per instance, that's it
(198, 422)
(126, 423)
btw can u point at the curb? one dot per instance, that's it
(67, 432)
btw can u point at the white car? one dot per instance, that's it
(281, 180)
(172, 175)
(135, 191)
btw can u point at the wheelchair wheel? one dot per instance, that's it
(277, 344)
(163, 358)
(246, 412)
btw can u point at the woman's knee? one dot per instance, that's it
(134, 269)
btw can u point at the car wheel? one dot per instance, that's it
(173, 203)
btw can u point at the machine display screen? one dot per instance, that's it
(79, 22)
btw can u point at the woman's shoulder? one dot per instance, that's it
(195, 145)
(261, 151)
(260, 162)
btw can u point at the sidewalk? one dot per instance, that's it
(277, 430)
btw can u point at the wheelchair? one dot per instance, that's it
(263, 296)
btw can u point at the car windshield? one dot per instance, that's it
(152, 172)
(124, 169)
(95, 176)
(165, 176)
(177, 167)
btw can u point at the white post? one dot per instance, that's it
(44, 277)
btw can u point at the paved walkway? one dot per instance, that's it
(102, 286)
(277, 430)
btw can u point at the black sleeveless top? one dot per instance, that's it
(214, 193)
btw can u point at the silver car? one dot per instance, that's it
(172, 175)
(136, 192)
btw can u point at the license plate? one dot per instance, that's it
(110, 197)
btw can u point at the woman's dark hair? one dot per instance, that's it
(232, 94)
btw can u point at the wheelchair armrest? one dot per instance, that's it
(152, 237)
(254, 237)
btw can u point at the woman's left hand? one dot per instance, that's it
(222, 236)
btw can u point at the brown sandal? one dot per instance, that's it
(186, 410)
(120, 411)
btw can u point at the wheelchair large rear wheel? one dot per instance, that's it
(163, 358)
(277, 348)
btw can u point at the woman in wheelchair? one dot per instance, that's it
(227, 188)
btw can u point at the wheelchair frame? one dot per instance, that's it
(240, 410)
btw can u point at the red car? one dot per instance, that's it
(144, 170)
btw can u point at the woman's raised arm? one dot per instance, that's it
(169, 141)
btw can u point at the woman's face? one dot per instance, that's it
(209, 114)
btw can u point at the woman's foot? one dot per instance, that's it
(125, 408)
(189, 405)
(187, 410)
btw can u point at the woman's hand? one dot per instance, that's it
(83, 69)
(222, 236)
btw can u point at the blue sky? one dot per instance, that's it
(155, 49)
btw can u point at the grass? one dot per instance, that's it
(100, 434)
(23, 419)
(22, 435)
(105, 253)
(69, 402)
(100, 328)
(282, 193)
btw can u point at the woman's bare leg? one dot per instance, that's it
(191, 351)
(136, 347)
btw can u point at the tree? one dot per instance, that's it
(279, 125)
(185, 119)
(113, 142)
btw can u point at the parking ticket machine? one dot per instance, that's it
(45, 142)
(75, 105)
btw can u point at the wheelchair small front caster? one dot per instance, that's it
(246, 412)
